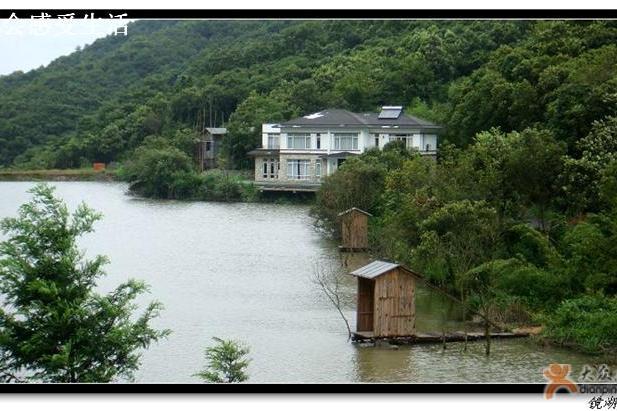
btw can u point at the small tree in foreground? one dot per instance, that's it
(53, 326)
(227, 362)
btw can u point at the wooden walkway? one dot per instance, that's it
(433, 338)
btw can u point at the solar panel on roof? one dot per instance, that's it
(390, 112)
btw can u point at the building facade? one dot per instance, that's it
(208, 147)
(300, 152)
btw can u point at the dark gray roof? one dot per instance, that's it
(377, 268)
(355, 209)
(339, 117)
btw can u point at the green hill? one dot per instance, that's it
(166, 77)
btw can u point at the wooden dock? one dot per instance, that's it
(343, 249)
(435, 338)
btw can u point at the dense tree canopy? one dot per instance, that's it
(101, 102)
(494, 223)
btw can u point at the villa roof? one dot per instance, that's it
(339, 117)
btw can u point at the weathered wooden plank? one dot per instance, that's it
(354, 230)
(394, 304)
(437, 338)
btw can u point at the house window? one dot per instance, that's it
(318, 141)
(270, 168)
(376, 140)
(274, 141)
(299, 140)
(298, 169)
(208, 145)
(318, 168)
(345, 141)
(406, 138)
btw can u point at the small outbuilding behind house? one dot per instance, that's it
(354, 229)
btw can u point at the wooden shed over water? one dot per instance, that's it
(354, 229)
(386, 300)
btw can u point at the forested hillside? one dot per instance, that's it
(101, 102)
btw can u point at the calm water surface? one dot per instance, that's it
(243, 271)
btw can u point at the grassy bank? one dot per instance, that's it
(84, 174)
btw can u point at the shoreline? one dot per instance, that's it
(58, 175)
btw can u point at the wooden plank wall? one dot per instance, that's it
(364, 319)
(354, 227)
(395, 310)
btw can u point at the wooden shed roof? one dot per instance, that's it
(354, 209)
(377, 268)
(216, 130)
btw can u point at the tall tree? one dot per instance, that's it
(54, 327)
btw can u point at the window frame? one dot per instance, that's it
(354, 141)
(272, 136)
(294, 165)
(293, 137)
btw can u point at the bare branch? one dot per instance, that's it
(329, 280)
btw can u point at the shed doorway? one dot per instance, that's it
(366, 305)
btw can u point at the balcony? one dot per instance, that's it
(288, 185)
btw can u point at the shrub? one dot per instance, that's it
(155, 171)
(588, 323)
(219, 185)
(227, 362)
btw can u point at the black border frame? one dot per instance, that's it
(273, 388)
(303, 14)
(335, 14)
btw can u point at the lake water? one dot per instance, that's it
(243, 271)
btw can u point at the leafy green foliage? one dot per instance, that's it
(155, 171)
(562, 76)
(226, 362)
(590, 250)
(455, 238)
(358, 182)
(491, 222)
(161, 170)
(53, 326)
(585, 177)
(245, 125)
(588, 322)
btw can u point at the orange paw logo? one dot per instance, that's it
(557, 376)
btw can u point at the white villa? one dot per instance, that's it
(295, 155)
